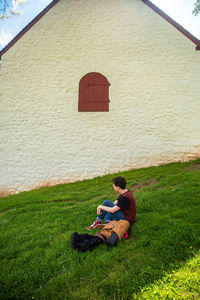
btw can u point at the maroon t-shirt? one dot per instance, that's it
(127, 204)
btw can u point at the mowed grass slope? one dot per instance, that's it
(159, 261)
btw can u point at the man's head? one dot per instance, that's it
(120, 182)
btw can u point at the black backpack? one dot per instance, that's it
(84, 242)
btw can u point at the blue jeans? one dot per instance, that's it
(118, 215)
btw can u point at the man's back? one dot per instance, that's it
(130, 212)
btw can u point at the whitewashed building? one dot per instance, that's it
(128, 56)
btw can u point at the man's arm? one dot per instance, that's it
(108, 209)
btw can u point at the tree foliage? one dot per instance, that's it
(196, 9)
(7, 9)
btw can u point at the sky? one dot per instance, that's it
(179, 10)
(26, 10)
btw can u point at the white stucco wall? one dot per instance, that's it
(154, 73)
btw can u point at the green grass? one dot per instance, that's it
(161, 260)
(180, 284)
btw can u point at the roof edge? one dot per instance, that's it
(173, 23)
(25, 29)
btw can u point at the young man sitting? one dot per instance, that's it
(124, 208)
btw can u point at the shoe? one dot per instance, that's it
(126, 236)
(97, 222)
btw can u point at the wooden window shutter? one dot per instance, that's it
(93, 93)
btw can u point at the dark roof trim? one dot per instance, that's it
(174, 23)
(147, 2)
(25, 29)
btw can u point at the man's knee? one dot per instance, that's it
(108, 203)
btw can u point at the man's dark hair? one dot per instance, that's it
(119, 181)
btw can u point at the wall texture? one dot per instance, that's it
(154, 74)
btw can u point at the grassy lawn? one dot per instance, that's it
(161, 260)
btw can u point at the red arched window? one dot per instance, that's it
(93, 93)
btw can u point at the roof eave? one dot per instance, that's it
(173, 23)
(147, 2)
(25, 29)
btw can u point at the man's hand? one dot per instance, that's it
(99, 210)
